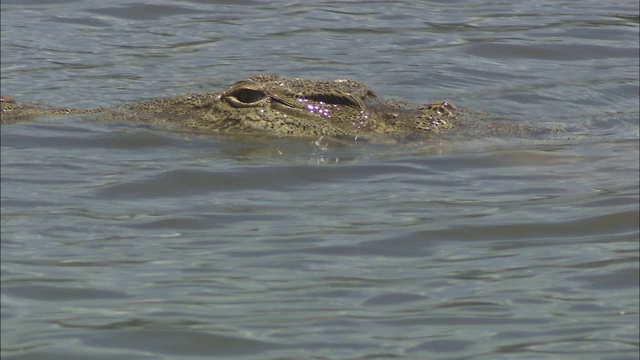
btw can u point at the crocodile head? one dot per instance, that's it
(297, 107)
(290, 107)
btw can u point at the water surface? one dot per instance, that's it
(126, 242)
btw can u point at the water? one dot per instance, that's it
(132, 243)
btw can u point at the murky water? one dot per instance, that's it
(131, 243)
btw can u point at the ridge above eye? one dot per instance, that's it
(336, 98)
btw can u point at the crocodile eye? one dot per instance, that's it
(244, 97)
(248, 96)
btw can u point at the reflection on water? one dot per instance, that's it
(124, 242)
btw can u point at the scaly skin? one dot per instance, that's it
(269, 104)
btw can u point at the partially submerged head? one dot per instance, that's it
(271, 104)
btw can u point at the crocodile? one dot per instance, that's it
(270, 104)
